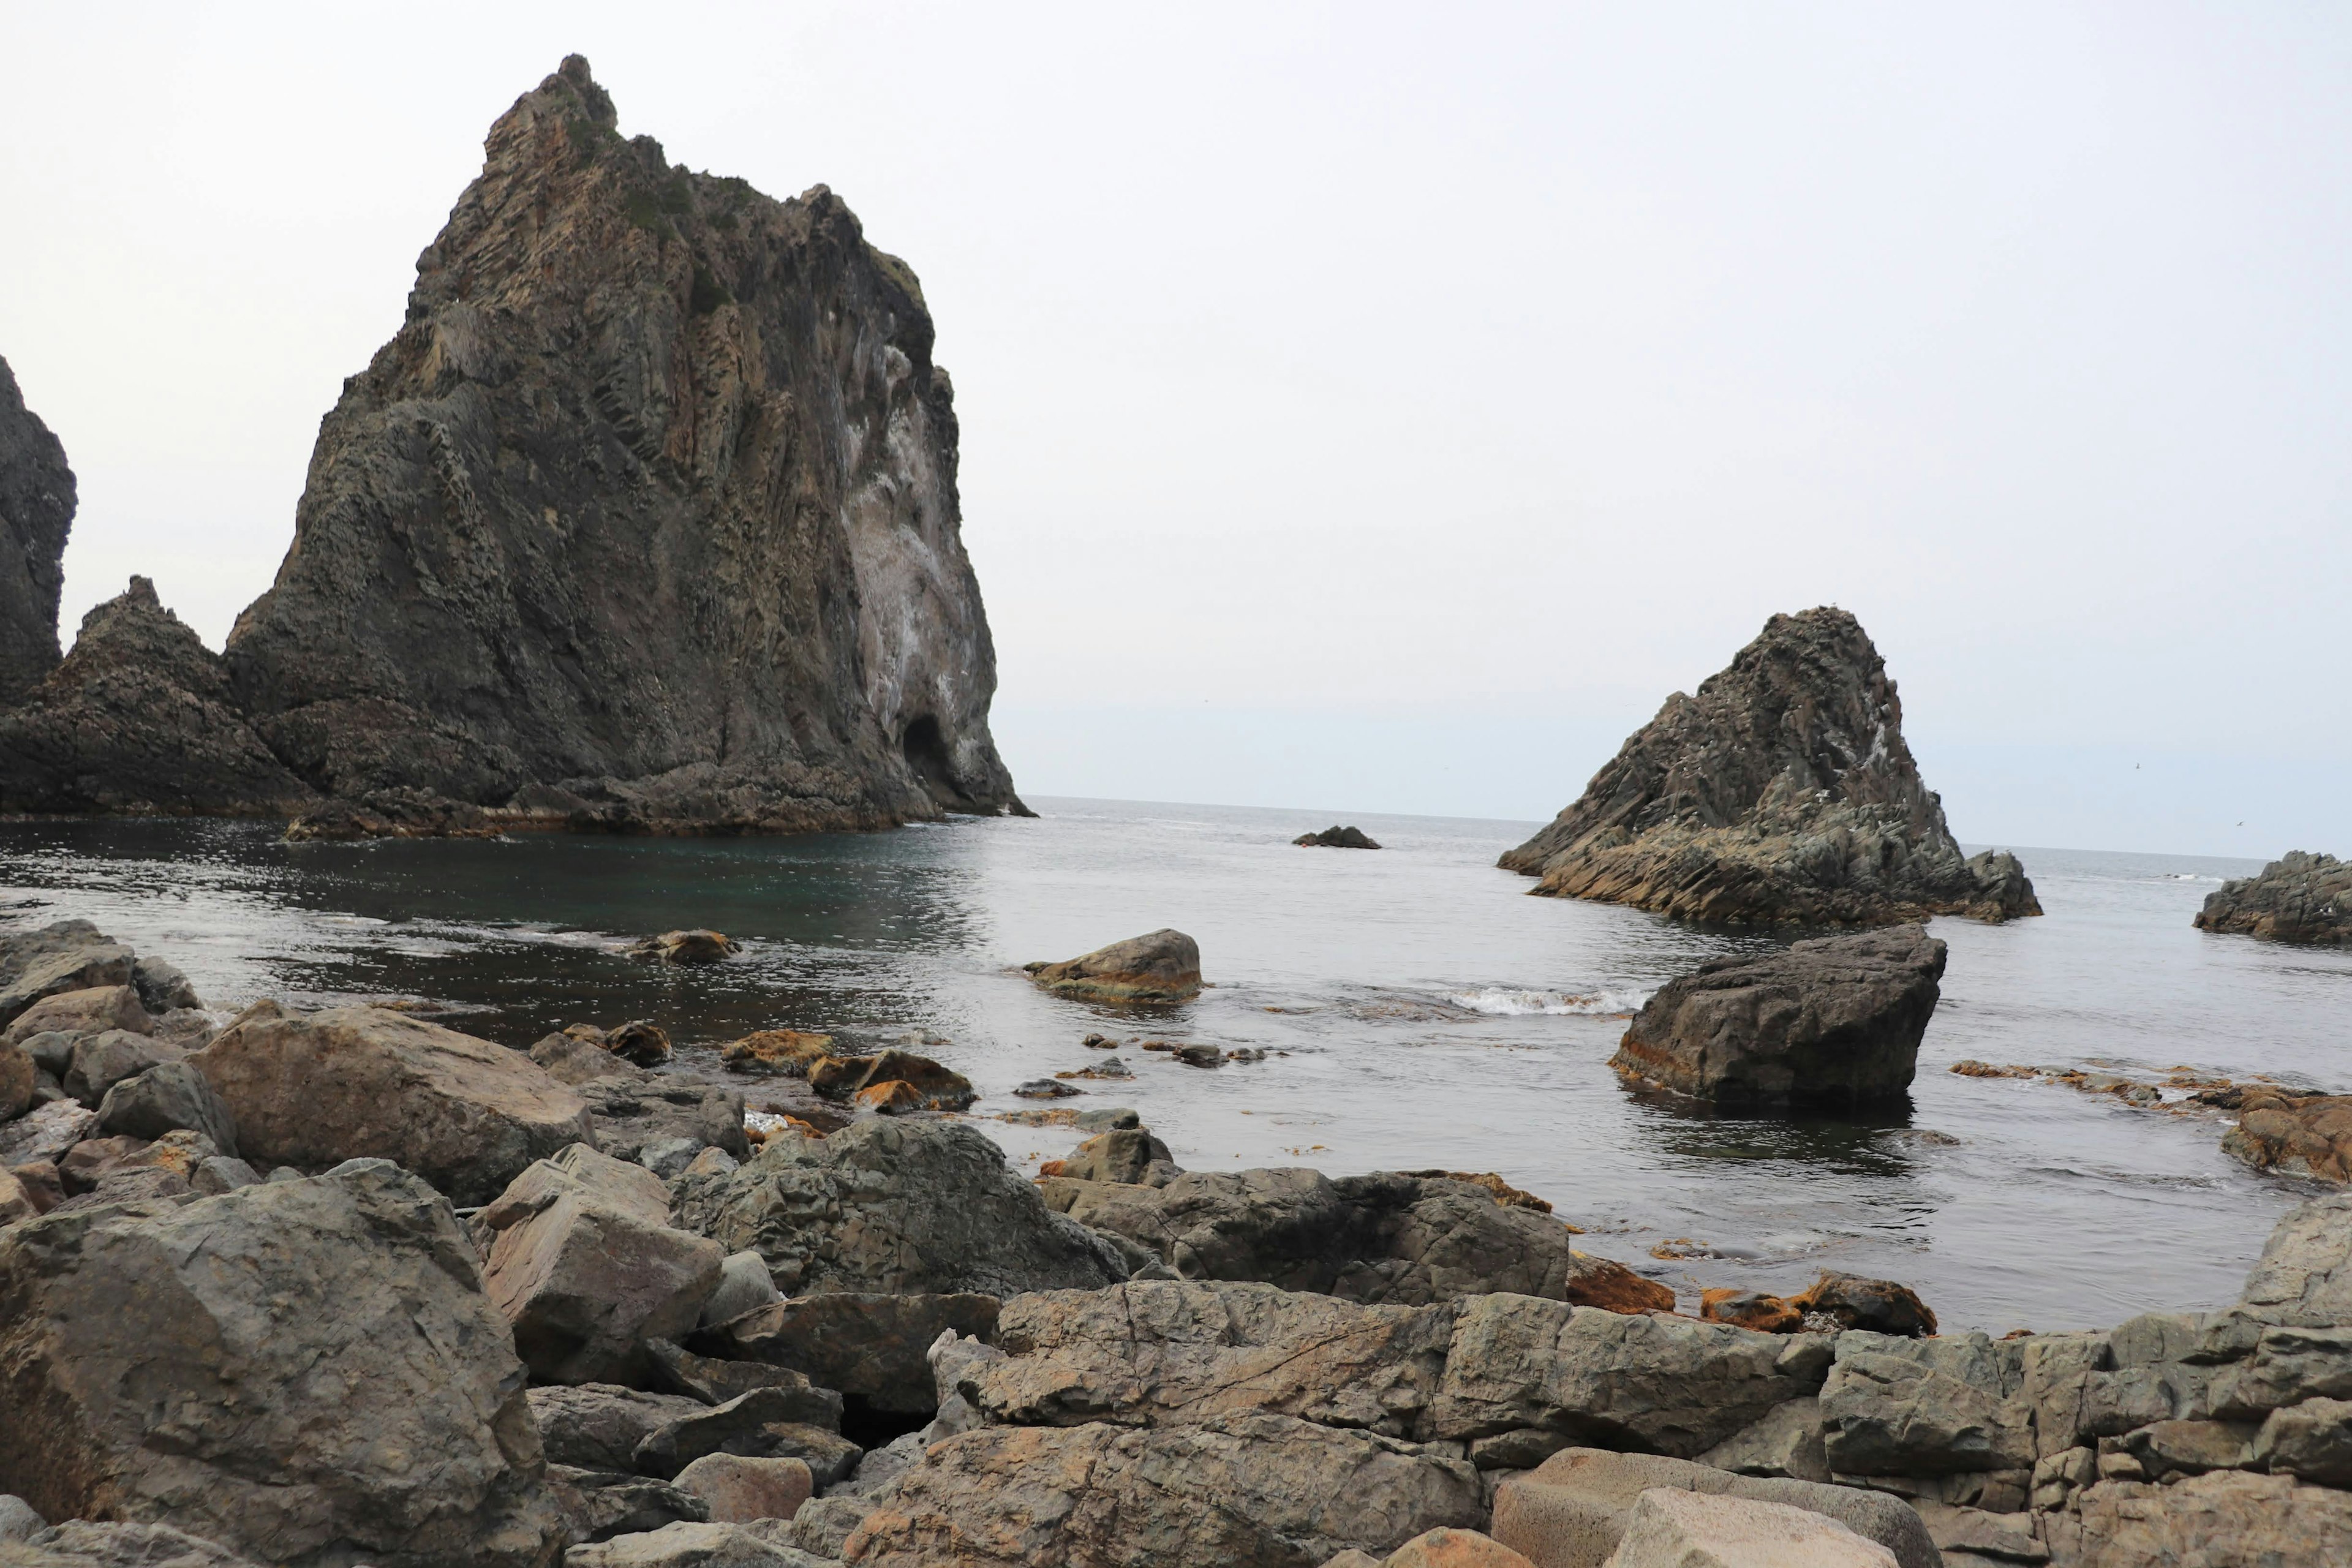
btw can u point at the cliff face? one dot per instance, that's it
(2300, 898)
(36, 508)
(647, 517)
(139, 720)
(1782, 794)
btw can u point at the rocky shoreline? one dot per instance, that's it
(645, 520)
(250, 1271)
(2299, 898)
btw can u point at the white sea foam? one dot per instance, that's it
(1503, 1002)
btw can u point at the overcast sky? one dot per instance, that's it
(1382, 407)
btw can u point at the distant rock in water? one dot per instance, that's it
(1782, 794)
(646, 520)
(1160, 966)
(139, 720)
(1337, 838)
(36, 509)
(2301, 898)
(1837, 1019)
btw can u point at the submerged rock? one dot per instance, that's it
(37, 511)
(1837, 1019)
(1337, 838)
(2300, 897)
(319, 1378)
(1162, 966)
(663, 476)
(685, 949)
(1782, 794)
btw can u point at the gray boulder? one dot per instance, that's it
(598, 1504)
(18, 1519)
(1896, 1406)
(309, 1341)
(894, 1206)
(694, 1546)
(20, 1076)
(69, 955)
(1129, 1154)
(1835, 1020)
(2227, 1518)
(106, 1057)
(2304, 1274)
(598, 1426)
(744, 1286)
(45, 1133)
(82, 1012)
(164, 1097)
(587, 1267)
(79, 1544)
(312, 1089)
(1671, 1528)
(163, 987)
(1386, 1236)
(1242, 1492)
(767, 1423)
(715, 1380)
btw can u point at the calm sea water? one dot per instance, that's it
(1423, 1012)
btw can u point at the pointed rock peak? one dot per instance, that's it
(573, 73)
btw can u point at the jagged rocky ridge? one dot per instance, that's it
(36, 508)
(645, 519)
(1782, 794)
(2301, 897)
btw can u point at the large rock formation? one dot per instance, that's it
(646, 516)
(1782, 794)
(139, 720)
(2300, 897)
(36, 508)
(1835, 1020)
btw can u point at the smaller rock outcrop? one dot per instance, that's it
(1337, 838)
(309, 1089)
(1782, 794)
(139, 721)
(69, 955)
(686, 949)
(36, 511)
(2294, 1134)
(2300, 898)
(1163, 966)
(1835, 1020)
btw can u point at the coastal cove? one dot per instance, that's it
(1430, 1015)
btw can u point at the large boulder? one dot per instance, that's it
(2304, 1274)
(716, 595)
(69, 955)
(168, 1097)
(76, 1012)
(1782, 794)
(886, 1205)
(1386, 1236)
(1162, 966)
(873, 1347)
(1580, 1505)
(309, 1089)
(1673, 1529)
(1898, 1406)
(306, 1371)
(2222, 1519)
(2299, 898)
(587, 1267)
(1242, 1492)
(36, 511)
(1836, 1019)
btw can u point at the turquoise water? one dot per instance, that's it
(1431, 1013)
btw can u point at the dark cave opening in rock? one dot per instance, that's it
(926, 756)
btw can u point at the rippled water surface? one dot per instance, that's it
(1431, 1013)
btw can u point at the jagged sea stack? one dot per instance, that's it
(646, 517)
(36, 508)
(2300, 898)
(1782, 794)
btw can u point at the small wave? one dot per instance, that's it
(1502, 1002)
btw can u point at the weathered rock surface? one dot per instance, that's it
(1782, 794)
(598, 1426)
(18, 1077)
(305, 1371)
(78, 1543)
(1378, 1237)
(597, 1505)
(1245, 1491)
(587, 1267)
(36, 509)
(77, 1011)
(1160, 967)
(1880, 1306)
(767, 1423)
(166, 1097)
(715, 1380)
(68, 955)
(139, 721)
(692, 1546)
(919, 1207)
(2294, 1134)
(1445, 1548)
(103, 1059)
(931, 1086)
(2300, 897)
(872, 1347)
(1129, 1155)
(2208, 1522)
(1578, 1507)
(45, 1134)
(1835, 1020)
(310, 1089)
(738, 1490)
(2303, 1276)
(1337, 838)
(647, 517)
(1673, 1529)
